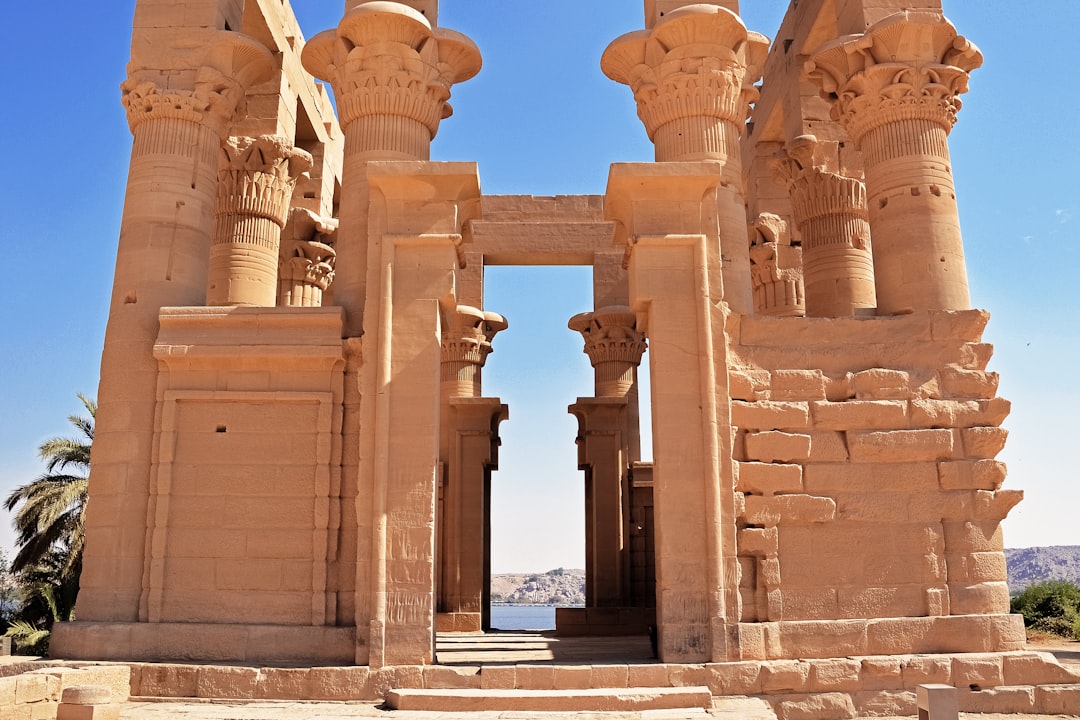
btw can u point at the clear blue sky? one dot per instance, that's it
(542, 119)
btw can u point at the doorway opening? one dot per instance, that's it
(537, 510)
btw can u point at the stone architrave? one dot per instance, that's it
(693, 75)
(896, 89)
(831, 213)
(179, 121)
(391, 69)
(258, 175)
(307, 259)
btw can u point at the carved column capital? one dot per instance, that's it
(222, 66)
(258, 175)
(695, 68)
(776, 268)
(385, 60)
(307, 258)
(910, 66)
(614, 346)
(466, 344)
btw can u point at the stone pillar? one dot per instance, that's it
(179, 118)
(830, 211)
(391, 70)
(469, 451)
(693, 75)
(896, 89)
(258, 175)
(307, 258)
(608, 442)
(666, 218)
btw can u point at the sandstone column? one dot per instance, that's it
(692, 74)
(830, 210)
(258, 175)
(306, 260)
(608, 442)
(391, 70)
(179, 113)
(469, 451)
(896, 89)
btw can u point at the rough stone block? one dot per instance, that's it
(573, 677)
(340, 683)
(882, 384)
(860, 415)
(960, 383)
(84, 712)
(797, 385)
(31, 688)
(693, 675)
(822, 706)
(972, 475)
(770, 511)
(757, 541)
(769, 478)
(983, 442)
(219, 682)
(997, 700)
(535, 677)
(498, 677)
(735, 678)
(926, 670)
(653, 675)
(785, 676)
(878, 703)
(609, 676)
(881, 673)
(443, 677)
(770, 415)
(777, 447)
(1036, 669)
(823, 638)
(977, 672)
(930, 413)
(284, 684)
(965, 325)
(901, 446)
(835, 675)
(1057, 699)
(828, 446)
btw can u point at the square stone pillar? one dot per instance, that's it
(669, 226)
(415, 219)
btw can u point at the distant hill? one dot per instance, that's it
(1032, 565)
(555, 587)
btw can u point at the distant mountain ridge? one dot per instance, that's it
(561, 587)
(1031, 565)
(566, 587)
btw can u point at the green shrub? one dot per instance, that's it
(1052, 606)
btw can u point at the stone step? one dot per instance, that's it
(590, 700)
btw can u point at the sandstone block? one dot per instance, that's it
(797, 385)
(972, 475)
(7, 690)
(770, 511)
(447, 678)
(693, 675)
(965, 325)
(219, 682)
(498, 677)
(1036, 669)
(339, 683)
(747, 384)
(85, 712)
(785, 676)
(573, 677)
(1057, 699)
(983, 442)
(961, 383)
(878, 703)
(734, 678)
(535, 677)
(30, 688)
(757, 541)
(654, 675)
(926, 670)
(901, 446)
(814, 603)
(284, 684)
(821, 706)
(997, 700)
(930, 413)
(882, 384)
(769, 478)
(977, 672)
(770, 415)
(881, 673)
(832, 479)
(835, 675)
(777, 447)
(609, 676)
(860, 415)
(828, 446)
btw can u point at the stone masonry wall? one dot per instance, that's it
(866, 474)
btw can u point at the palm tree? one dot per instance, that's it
(50, 520)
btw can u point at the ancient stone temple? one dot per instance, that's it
(294, 452)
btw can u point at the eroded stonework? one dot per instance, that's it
(294, 454)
